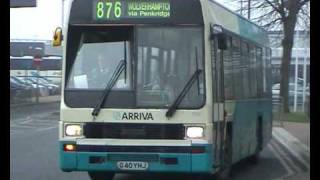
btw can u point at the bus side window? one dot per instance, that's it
(228, 79)
(236, 69)
(259, 71)
(245, 69)
(268, 74)
(252, 72)
(264, 71)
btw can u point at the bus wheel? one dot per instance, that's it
(225, 174)
(254, 159)
(100, 175)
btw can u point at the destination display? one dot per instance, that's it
(116, 9)
(136, 12)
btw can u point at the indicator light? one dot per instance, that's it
(69, 147)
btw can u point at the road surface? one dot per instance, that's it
(34, 152)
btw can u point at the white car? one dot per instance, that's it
(292, 92)
(44, 91)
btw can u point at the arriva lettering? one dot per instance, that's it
(136, 116)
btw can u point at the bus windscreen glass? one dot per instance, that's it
(165, 60)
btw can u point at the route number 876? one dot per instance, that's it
(106, 9)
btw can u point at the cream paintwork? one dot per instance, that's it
(136, 142)
(229, 20)
(130, 142)
(146, 142)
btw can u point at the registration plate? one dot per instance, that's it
(132, 165)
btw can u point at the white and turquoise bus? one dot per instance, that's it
(178, 86)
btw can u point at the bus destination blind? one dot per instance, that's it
(112, 10)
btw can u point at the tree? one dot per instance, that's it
(284, 15)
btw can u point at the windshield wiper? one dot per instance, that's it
(116, 74)
(184, 91)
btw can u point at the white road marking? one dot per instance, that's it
(283, 163)
(23, 126)
(44, 123)
(32, 124)
(36, 121)
(286, 157)
(45, 129)
(293, 145)
(293, 141)
(29, 118)
(12, 131)
(26, 121)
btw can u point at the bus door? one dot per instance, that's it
(219, 121)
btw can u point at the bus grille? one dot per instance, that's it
(134, 131)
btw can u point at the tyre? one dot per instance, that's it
(254, 159)
(225, 174)
(100, 175)
(227, 171)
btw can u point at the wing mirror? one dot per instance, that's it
(217, 31)
(57, 37)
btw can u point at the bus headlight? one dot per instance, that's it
(195, 132)
(73, 129)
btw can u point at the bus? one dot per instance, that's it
(161, 86)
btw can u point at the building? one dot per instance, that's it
(27, 47)
(299, 77)
(23, 53)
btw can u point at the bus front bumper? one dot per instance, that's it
(195, 158)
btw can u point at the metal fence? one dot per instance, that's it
(277, 109)
(307, 107)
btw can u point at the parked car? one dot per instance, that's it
(15, 88)
(53, 89)
(19, 81)
(19, 90)
(43, 90)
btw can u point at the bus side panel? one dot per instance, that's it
(197, 162)
(244, 127)
(266, 109)
(68, 160)
(203, 163)
(245, 119)
(182, 166)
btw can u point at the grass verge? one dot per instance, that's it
(299, 117)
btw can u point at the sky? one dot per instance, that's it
(40, 22)
(36, 23)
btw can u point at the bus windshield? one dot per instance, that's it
(160, 61)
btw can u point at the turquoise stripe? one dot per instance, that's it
(183, 166)
(67, 160)
(253, 32)
(203, 163)
(245, 120)
(187, 162)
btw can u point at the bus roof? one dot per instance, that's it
(236, 23)
(239, 15)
